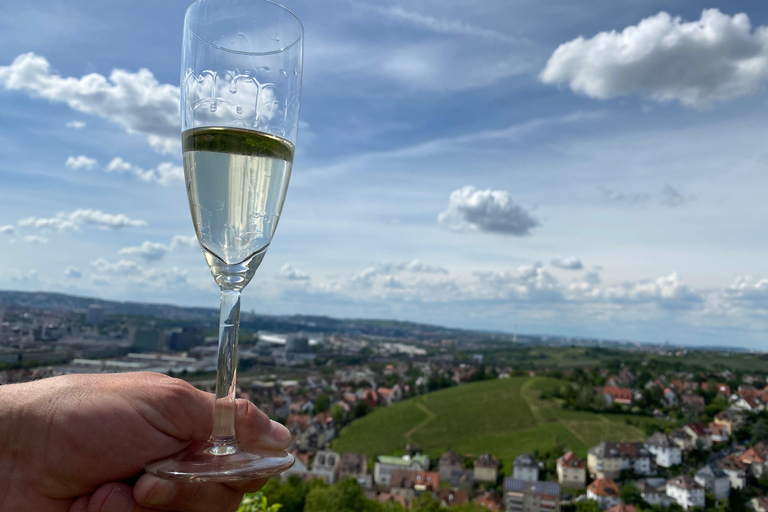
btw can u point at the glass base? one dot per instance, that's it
(209, 462)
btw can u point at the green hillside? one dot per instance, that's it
(504, 417)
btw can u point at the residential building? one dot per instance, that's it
(571, 471)
(486, 468)
(718, 433)
(736, 471)
(448, 463)
(325, 466)
(683, 439)
(664, 449)
(714, 480)
(693, 403)
(525, 468)
(749, 404)
(608, 459)
(686, 492)
(731, 418)
(654, 491)
(756, 459)
(452, 497)
(527, 496)
(385, 465)
(462, 479)
(616, 395)
(490, 500)
(700, 435)
(605, 492)
(418, 481)
(355, 465)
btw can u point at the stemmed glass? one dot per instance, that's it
(240, 84)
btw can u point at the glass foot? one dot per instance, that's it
(209, 462)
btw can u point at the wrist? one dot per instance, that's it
(11, 448)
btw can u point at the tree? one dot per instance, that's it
(257, 502)
(322, 403)
(760, 431)
(630, 494)
(345, 496)
(587, 506)
(361, 409)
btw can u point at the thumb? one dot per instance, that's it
(112, 497)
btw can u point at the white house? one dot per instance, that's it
(325, 465)
(666, 451)
(714, 480)
(525, 468)
(686, 492)
(736, 471)
(654, 491)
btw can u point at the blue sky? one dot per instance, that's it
(593, 169)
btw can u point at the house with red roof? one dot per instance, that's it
(616, 395)
(605, 492)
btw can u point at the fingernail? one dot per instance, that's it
(161, 492)
(117, 501)
(279, 432)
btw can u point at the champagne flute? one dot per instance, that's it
(240, 84)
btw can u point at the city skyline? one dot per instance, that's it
(590, 171)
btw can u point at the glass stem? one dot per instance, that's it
(224, 409)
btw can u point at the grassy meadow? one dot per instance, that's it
(505, 417)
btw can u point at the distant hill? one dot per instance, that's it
(504, 417)
(280, 323)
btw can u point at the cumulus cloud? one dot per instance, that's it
(490, 211)
(80, 162)
(34, 239)
(75, 125)
(137, 102)
(73, 220)
(119, 268)
(568, 263)
(73, 273)
(149, 251)
(164, 174)
(288, 272)
(7, 230)
(715, 59)
(184, 242)
(668, 291)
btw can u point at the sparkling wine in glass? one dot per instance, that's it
(240, 85)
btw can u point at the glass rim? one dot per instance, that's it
(240, 52)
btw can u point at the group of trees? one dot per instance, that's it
(297, 495)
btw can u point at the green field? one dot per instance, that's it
(504, 417)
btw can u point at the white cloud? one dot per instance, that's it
(164, 174)
(73, 273)
(34, 239)
(184, 242)
(714, 59)
(75, 125)
(120, 268)
(668, 291)
(135, 101)
(568, 263)
(80, 162)
(490, 211)
(71, 221)
(7, 230)
(149, 251)
(290, 273)
(438, 25)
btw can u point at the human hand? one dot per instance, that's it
(71, 444)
